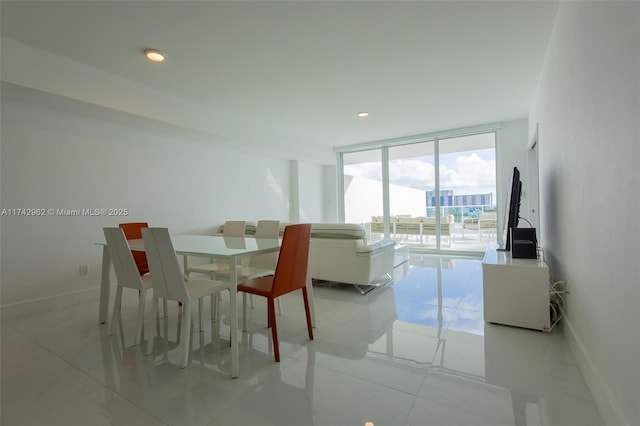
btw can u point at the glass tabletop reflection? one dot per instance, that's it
(216, 245)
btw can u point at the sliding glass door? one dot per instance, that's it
(362, 177)
(412, 173)
(437, 194)
(467, 177)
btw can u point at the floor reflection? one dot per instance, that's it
(442, 291)
(501, 374)
(413, 350)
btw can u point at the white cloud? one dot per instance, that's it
(412, 173)
(470, 171)
(466, 175)
(371, 171)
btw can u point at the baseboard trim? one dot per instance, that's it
(44, 304)
(609, 409)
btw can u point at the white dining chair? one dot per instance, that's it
(232, 228)
(260, 265)
(169, 284)
(128, 276)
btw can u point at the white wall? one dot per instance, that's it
(60, 153)
(312, 201)
(330, 192)
(587, 107)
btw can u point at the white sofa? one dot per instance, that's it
(340, 252)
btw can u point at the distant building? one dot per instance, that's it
(447, 199)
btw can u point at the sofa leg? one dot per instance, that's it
(377, 283)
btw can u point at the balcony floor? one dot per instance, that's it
(468, 241)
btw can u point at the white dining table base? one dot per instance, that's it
(105, 290)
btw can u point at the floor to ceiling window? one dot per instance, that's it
(435, 194)
(412, 173)
(468, 190)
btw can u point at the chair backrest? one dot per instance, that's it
(122, 259)
(291, 271)
(234, 228)
(133, 231)
(266, 229)
(168, 279)
(234, 242)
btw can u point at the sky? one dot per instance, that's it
(469, 172)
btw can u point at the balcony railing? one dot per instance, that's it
(471, 233)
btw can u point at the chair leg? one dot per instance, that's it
(186, 335)
(200, 316)
(277, 304)
(305, 297)
(215, 300)
(154, 313)
(140, 322)
(274, 328)
(245, 312)
(214, 307)
(217, 313)
(115, 318)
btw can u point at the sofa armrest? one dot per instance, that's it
(376, 247)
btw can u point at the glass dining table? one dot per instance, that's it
(232, 249)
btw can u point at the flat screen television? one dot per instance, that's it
(514, 206)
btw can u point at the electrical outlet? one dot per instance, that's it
(84, 270)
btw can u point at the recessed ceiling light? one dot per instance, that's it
(154, 55)
(363, 114)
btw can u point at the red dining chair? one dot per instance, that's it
(133, 231)
(290, 275)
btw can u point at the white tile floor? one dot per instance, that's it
(414, 353)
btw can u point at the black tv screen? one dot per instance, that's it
(514, 206)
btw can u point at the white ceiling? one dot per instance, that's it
(286, 77)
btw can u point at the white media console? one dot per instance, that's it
(516, 291)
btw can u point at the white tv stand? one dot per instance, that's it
(516, 291)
